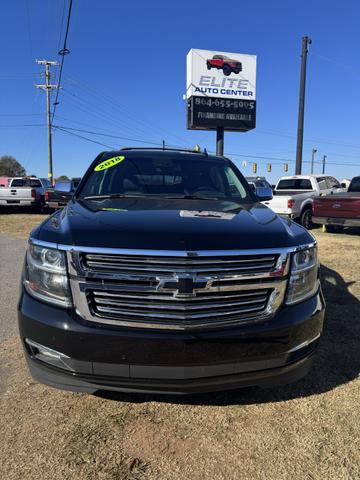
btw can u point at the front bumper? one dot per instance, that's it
(338, 221)
(276, 351)
(18, 203)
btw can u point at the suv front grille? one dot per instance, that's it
(166, 308)
(183, 291)
(204, 265)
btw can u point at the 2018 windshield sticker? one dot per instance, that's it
(110, 162)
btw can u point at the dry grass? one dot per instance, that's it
(19, 225)
(309, 430)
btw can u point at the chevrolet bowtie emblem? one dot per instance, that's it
(182, 286)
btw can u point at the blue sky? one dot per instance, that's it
(125, 76)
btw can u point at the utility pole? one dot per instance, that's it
(300, 133)
(312, 159)
(323, 165)
(48, 87)
(220, 141)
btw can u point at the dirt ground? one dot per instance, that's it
(309, 430)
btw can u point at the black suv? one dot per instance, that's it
(165, 273)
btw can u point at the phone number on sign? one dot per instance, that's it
(217, 102)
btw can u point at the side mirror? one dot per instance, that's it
(343, 185)
(263, 193)
(64, 189)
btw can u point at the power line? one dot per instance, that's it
(61, 23)
(29, 29)
(97, 111)
(114, 103)
(308, 139)
(23, 125)
(277, 159)
(111, 136)
(64, 51)
(335, 62)
(20, 114)
(84, 138)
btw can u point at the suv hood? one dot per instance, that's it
(159, 224)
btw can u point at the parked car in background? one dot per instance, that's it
(224, 63)
(4, 181)
(256, 182)
(24, 192)
(60, 195)
(339, 210)
(345, 182)
(166, 274)
(293, 196)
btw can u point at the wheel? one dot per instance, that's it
(306, 218)
(226, 70)
(237, 71)
(334, 228)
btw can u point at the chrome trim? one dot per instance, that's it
(82, 278)
(278, 287)
(41, 243)
(42, 347)
(304, 344)
(171, 253)
(49, 356)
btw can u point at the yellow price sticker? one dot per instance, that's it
(108, 163)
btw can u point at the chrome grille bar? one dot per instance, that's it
(152, 291)
(200, 265)
(101, 298)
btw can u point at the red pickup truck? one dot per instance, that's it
(340, 209)
(226, 64)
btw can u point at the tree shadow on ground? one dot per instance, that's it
(23, 210)
(336, 362)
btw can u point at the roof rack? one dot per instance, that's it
(168, 148)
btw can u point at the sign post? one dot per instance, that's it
(220, 141)
(221, 93)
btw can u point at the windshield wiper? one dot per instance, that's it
(190, 197)
(172, 197)
(113, 195)
(235, 209)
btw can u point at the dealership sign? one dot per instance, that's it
(221, 90)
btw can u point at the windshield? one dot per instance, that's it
(294, 184)
(354, 185)
(26, 182)
(174, 177)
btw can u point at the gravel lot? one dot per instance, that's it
(309, 430)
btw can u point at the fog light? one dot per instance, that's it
(48, 355)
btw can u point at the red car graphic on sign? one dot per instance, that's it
(226, 64)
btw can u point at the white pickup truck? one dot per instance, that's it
(293, 196)
(24, 192)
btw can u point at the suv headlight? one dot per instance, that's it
(304, 277)
(46, 275)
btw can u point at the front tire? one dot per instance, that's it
(306, 219)
(226, 70)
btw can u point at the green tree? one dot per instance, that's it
(10, 167)
(62, 177)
